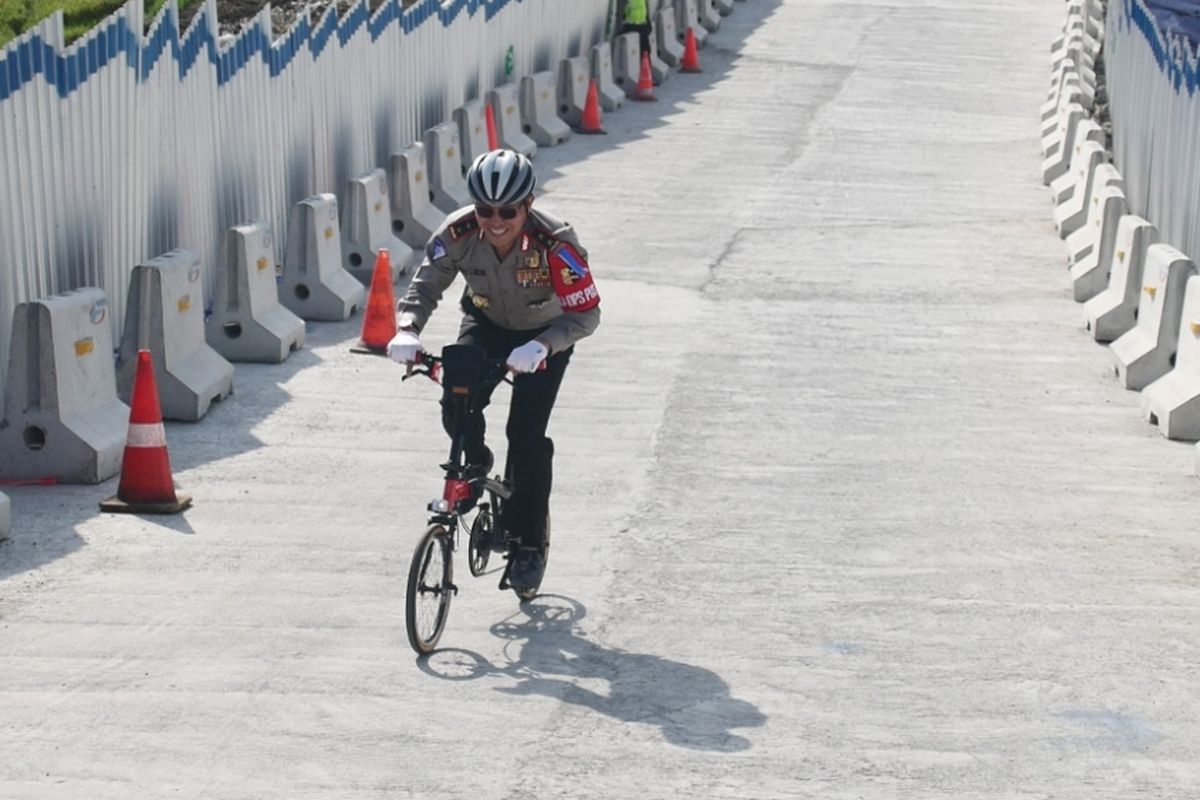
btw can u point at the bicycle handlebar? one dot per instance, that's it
(430, 366)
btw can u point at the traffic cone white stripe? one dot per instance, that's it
(141, 435)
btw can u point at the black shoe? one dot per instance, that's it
(525, 571)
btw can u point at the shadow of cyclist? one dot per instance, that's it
(549, 656)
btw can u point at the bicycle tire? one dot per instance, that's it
(479, 544)
(430, 588)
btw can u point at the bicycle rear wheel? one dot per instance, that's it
(430, 587)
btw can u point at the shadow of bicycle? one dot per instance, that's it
(547, 654)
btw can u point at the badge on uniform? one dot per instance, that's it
(479, 301)
(568, 277)
(535, 278)
(435, 250)
(533, 260)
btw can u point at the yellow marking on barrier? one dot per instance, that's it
(509, 109)
(378, 206)
(420, 176)
(329, 233)
(84, 347)
(1195, 326)
(450, 153)
(580, 78)
(545, 95)
(184, 303)
(1151, 290)
(263, 264)
(1121, 256)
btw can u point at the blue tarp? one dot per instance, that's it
(1177, 16)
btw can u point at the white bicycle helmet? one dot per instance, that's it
(500, 178)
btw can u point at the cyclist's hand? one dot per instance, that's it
(404, 347)
(528, 357)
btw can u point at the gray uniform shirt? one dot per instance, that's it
(543, 282)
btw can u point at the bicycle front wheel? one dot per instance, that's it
(430, 587)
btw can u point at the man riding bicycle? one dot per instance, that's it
(529, 297)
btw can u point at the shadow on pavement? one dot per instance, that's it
(548, 655)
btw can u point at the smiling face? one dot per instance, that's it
(499, 232)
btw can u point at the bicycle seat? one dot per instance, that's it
(462, 368)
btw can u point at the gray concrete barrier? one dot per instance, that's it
(1173, 401)
(611, 96)
(573, 80)
(538, 109)
(505, 101)
(472, 132)
(414, 217)
(665, 37)
(1147, 351)
(315, 285)
(1090, 248)
(1113, 312)
(709, 19)
(1071, 217)
(1085, 157)
(1079, 129)
(723, 7)
(660, 70)
(247, 322)
(627, 55)
(687, 15)
(443, 156)
(165, 315)
(367, 229)
(62, 418)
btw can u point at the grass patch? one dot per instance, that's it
(79, 16)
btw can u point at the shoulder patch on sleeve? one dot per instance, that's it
(435, 249)
(573, 280)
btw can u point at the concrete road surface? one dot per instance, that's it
(847, 505)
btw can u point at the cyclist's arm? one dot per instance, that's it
(430, 282)
(577, 296)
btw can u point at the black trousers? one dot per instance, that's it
(642, 30)
(530, 452)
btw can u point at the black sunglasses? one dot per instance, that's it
(505, 212)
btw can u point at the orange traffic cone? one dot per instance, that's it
(590, 123)
(146, 486)
(379, 321)
(691, 59)
(645, 85)
(489, 119)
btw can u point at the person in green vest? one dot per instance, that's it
(635, 18)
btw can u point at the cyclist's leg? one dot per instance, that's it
(530, 451)
(478, 331)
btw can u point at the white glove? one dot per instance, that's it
(528, 357)
(404, 346)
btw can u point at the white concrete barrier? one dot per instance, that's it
(1091, 247)
(666, 39)
(538, 102)
(505, 101)
(1173, 401)
(660, 70)
(367, 229)
(573, 80)
(710, 20)
(5, 517)
(1072, 216)
(315, 285)
(1071, 212)
(62, 418)
(1066, 75)
(443, 154)
(1085, 157)
(627, 66)
(414, 217)
(687, 15)
(611, 96)
(247, 321)
(723, 7)
(1113, 312)
(1079, 130)
(165, 314)
(1147, 351)
(1056, 126)
(472, 131)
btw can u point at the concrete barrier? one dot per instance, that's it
(627, 62)
(1147, 351)
(1173, 401)
(723, 7)
(1055, 127)
(1113, 312)
(165, 314)
(414, 218)
(666, 39)
(538, 103)
(315, 285)
(573, 80)
(443, 156)
(1079, 130)
(367, 229)
(1091, 247)
(1071, 217)
(660, 70)
(62, 418)
(709, 19)
(1064, 77)
(5, 517)
(1085, 157)
(687, 15)
(472, 132)
(247, 321)
(611, 96)
(505, 101)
